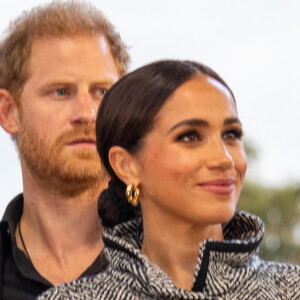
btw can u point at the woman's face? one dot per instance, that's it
(193, 163)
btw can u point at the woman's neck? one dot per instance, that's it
(173, 245)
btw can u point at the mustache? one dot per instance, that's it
(79, 132)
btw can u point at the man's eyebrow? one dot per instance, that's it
(190, 122)
(229, 121)
(106, 82)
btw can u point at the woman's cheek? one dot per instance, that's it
(240, 162)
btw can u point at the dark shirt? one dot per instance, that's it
(18, 277)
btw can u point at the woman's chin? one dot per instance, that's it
(223, 215)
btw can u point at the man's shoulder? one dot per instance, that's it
(15, 205)
(3, 233)
(12, 212)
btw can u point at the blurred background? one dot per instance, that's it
(254, 45)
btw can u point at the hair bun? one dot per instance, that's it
(112, 208)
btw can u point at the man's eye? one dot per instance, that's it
(233, 134)
(61, 92)
(189, 137)
(101, 91)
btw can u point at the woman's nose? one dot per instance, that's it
(219, 156)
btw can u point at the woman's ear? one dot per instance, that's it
(124, 165)
(8, 112)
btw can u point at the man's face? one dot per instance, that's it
(58, 106)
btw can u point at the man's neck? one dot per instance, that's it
(62, 233)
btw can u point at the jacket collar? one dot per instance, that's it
(13, 213)
(217, 260)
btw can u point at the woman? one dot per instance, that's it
(170, 138)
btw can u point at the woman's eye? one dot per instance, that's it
(189, 137)
(233, 134)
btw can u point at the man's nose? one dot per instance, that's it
(219, 156)
(84, 109)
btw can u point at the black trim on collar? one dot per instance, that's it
(221, 247)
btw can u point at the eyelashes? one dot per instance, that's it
(101, 91)
(233, 134)
(66, 92)
(189, 136)
(62, 92)
(193, 136)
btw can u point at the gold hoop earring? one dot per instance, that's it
(132, 194)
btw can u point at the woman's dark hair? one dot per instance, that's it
(127, 113)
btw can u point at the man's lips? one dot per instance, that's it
(83, 142)
(218, 186)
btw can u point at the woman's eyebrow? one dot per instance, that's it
(190, 122)
(201, 122)
(229, 121)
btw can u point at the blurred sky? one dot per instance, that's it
(253, 44)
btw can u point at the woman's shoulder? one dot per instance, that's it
(282, 276)
(103, 286)
(83, 288)
(280, 269)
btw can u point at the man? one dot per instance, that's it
(56, 63)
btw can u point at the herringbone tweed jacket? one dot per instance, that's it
(225, 270)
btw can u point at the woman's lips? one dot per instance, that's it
(218, 186)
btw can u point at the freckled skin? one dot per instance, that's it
(59, 104)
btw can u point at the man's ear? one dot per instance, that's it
(8, 112)
(124, 165)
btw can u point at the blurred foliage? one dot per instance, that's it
(251, 151)
(279, 208)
